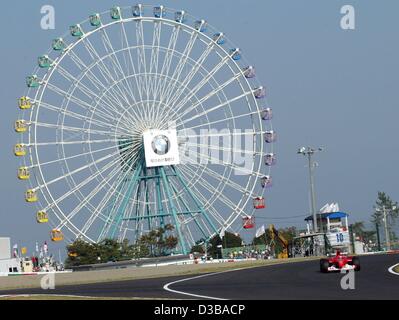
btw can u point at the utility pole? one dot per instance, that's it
(378, 236)
(384, 211)
(309, 152)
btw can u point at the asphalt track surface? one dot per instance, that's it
(300, 280)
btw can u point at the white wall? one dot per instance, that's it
(5, 248)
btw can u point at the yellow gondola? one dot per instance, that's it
(20, 150)
(31, 196)
(42, 217)
(56, 235)
(24, 103)
(20, 126)
(23, 173)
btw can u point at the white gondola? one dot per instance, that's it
(267, 114)
(249, 72)
(270, 159)
(266, 181)
(270, 136)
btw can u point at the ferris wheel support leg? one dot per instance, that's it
(159, 197)
(196, 201)
(119, 216)
(174, 211)
(186, 207)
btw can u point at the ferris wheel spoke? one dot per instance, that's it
(87, 200)
(199, 64)
(215, 175)
(168, 89)
(106, 109)
(221, 105)
(128, 48)
(141, 57)
(100, 208)
(224, 120)
(82, 184)
(82, 142)
(217, 90)
(228, 164)
(230, 151)
(81, 154)
(71, 173)
(106, 73)
(167, 61)
(113, 97)
(117, 64)
(72, 129)
(187, 175)
(79, 116)
(204, 81)
(220, 196)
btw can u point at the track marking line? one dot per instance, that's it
(167, 286)
(393, 267)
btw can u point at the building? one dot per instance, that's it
(7, 263)
(326, 222)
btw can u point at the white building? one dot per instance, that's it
(7, 263)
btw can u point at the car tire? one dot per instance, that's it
(356, 263)
(324, 264)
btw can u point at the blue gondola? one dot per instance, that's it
(159, 12)
(235, 54)
(180, 16)
(219, 38)
(200, 25)
(137, 10)
(76, 30)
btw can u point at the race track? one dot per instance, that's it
(300, 280)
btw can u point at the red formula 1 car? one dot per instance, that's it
(339, 262)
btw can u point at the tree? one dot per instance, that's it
(159, 241)
(384, 202)
(230, 240)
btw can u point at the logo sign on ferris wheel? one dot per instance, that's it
(161, 148)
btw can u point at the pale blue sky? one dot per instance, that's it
(327, 87)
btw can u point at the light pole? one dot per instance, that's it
(309, 152)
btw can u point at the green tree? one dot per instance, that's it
(385, 202)
(230, 240)
(81, 253)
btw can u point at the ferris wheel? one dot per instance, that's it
(144, 117)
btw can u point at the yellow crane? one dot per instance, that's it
(275, 234)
